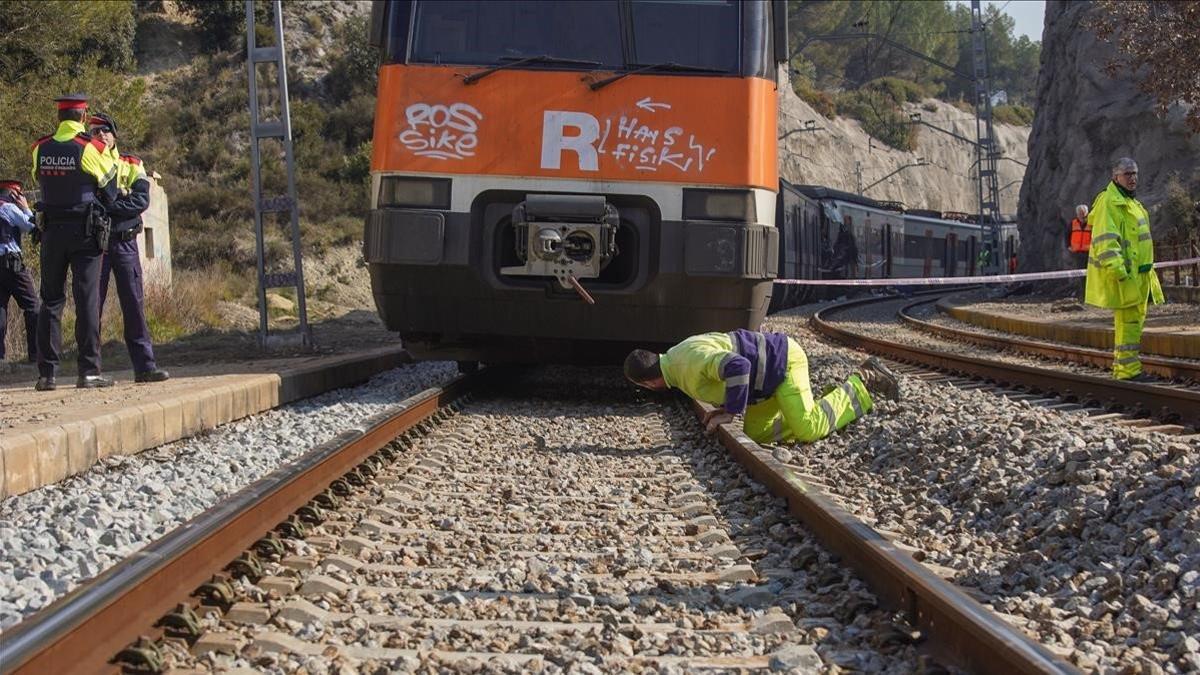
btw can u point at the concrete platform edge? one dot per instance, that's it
(33, 459)
(1161, 343)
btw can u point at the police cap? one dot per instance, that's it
(72, 102)
(104, 122)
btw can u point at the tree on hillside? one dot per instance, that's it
(1011, 59)
(936, 29)
(103, 30)
(924, 27)
(221, 21)
(1160, 42)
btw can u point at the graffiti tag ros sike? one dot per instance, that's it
(441, 131)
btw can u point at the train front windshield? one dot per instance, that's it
(601, 34)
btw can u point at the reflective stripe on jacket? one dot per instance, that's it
(727, 369)
(126, 211)
(1120, 264)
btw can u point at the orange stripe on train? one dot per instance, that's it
(550, 124)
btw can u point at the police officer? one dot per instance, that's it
(78, 179)
(15, 220)
(122, 257)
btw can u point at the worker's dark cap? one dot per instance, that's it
(14, 185)
(104, 122)
(72, 102)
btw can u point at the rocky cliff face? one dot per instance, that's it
(1086, 120)
(834, 155)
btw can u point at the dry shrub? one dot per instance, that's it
(185, 307)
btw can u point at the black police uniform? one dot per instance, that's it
(124, 262)
(15, 282)
(70, 193)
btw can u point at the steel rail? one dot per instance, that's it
(1148, 400)
(953, 626)
(82, 631)
(1157, 365)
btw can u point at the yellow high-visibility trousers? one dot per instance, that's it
(1127, 340)
(791, 414)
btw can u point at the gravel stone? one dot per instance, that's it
(557, 504)
(797, 658)
(1084, 528)
(75, 529)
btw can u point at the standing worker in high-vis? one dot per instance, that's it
(77, 179)
(764, 376)
(1120, 274)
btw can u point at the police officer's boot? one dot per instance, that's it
(45, 384)
(879, 379)
(92, 382)
(156, 375)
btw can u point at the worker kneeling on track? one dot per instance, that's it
(765, 376)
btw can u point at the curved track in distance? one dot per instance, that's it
(1177, 407)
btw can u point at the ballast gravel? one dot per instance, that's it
(565, 524)
(53, 538)
(1086, 533)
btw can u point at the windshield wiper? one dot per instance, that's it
(514, 61)
(643, 67)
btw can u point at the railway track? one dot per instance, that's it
(1182, 371)
(520, 527)
(1169, 407)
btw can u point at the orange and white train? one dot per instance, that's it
(560, 180)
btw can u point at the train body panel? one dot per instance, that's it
(830, 234)
(531, 157)
(574, 162)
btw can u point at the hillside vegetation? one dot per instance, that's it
(191, 123)
(173, 74)
(838, 70)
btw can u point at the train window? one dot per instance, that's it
(704, 33)
(484, 32)
(914, 246)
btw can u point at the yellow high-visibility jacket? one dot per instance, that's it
(694, 366)
(95, 160)
(1120, 269)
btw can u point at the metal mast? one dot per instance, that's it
(276, 123)
(986, 151)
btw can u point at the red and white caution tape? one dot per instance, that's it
(945, 281)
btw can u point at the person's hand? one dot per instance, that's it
(22, 202)
(718, 418)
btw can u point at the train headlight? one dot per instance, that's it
(426, 193)
(735, 205)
